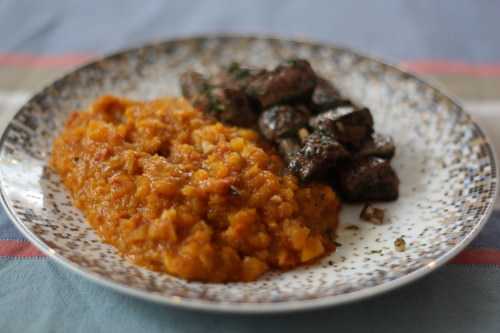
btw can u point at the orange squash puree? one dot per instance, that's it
(177, 192)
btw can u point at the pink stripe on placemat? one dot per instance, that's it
(24, 249)
(43, 61)
(424, 66)
(20, 249)
(438, 67)
(478, 257)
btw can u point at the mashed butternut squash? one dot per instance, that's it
(177, 192)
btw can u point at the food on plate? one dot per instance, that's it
(288, 148)
(400, 244)
(372, 214)
(350, 126)
(368, 179)
(378, 145)
(320, 134)
(282, 121)
(176, 191)
(291, 81)
(318, 154)
(229, 105)
(233, 180)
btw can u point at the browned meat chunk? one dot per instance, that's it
(378, 145)
(326, 96)
(319, 153)
(350, 125)
(288, 148)
(339, 140)
(369, 179)
(229, 105)
(236, 76)
(282, 120)
(372, 214)
(291, 81)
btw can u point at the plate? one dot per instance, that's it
(447, 169)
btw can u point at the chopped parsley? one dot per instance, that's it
(238, 72)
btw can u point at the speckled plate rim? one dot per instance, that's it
(263, 308)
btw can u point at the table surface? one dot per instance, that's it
(455, 43)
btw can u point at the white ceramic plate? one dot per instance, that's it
(447, 170)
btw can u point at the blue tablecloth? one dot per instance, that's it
(455, 41)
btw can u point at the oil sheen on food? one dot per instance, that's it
(177, 192)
